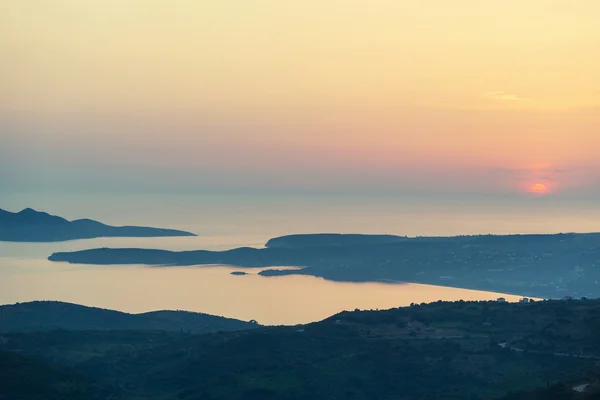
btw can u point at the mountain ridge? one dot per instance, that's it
(29, 225)
(479, 350)
(41, 316)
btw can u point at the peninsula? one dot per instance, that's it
(549, 266)
(30, 225)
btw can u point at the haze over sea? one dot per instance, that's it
(227, 221)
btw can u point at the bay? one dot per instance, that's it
(230, 221)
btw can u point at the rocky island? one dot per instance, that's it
(30, 225)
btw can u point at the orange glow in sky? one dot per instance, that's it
(539, 188)
(403, 95)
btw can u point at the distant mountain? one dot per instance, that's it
(30, 225)
(54, 315)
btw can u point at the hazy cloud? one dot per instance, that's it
(504, 96)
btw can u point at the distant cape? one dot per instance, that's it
(30, 225)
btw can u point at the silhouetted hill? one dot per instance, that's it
(34, 226)
(551, 266)
(53, 315)
(443, 350)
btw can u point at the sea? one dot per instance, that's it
(232, 220)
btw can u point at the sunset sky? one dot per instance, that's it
(464, 96)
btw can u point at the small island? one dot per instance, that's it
(30, 225)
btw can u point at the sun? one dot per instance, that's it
(539, 188)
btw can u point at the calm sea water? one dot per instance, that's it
(231, 221)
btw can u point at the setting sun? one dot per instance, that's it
(539, 188)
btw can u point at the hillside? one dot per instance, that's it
(30, 225)
(24, 378)
(554, 392)
(448, 351)
(54, 315)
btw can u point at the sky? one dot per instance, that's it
(471, 97)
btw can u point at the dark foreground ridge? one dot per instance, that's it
(444, 350)
(34, 226)
(547, 266)
(39, 316)
(26, 378)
